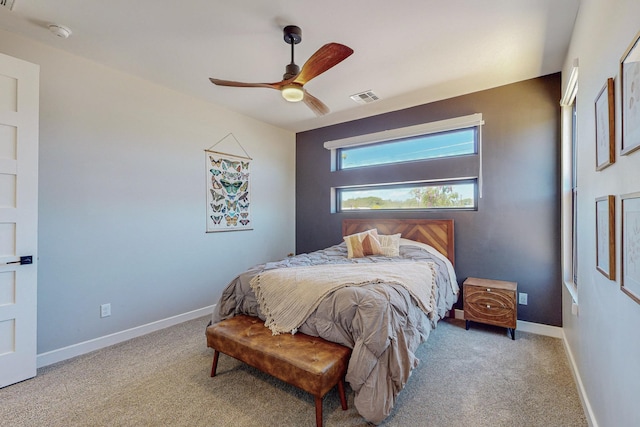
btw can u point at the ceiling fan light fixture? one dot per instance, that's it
(292, 92)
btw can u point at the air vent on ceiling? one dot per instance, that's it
(8, 4)
(365, 97)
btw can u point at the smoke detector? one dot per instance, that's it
(60, 30)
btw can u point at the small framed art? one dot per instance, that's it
(630, 246)
(605, 122)
(630, 84)
(606, 236)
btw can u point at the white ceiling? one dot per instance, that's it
(409, 52)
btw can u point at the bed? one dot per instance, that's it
(382, 302)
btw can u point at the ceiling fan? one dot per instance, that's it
(292, 85)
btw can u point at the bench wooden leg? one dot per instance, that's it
(214, 366)
(343, 398)
(343, 402)
(318, 411)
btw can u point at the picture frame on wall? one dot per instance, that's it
(630, 97)
(605, 236)
(630, 245)
(605, 123)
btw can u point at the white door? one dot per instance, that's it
(19, 100)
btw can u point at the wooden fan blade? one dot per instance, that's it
(326, 57)
(230, 83)
(315, 104)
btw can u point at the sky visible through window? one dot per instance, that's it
(438, 145)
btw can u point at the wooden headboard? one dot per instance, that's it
(434, 232)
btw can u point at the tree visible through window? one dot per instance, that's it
(450, 195)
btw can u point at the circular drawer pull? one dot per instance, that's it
(488, 306)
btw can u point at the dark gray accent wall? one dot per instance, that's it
(515, 233)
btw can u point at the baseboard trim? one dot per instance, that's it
(539, 329)
(534, 328)
(582, 392)
(58, 355)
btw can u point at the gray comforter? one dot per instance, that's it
(380, 322)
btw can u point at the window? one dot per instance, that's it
(420, 195)
(574, 195)
(423, 147)
(432, 166)
(570, 184)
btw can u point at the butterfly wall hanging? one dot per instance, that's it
(228, 192)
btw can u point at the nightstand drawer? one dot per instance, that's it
(490, 314)
(489, 297)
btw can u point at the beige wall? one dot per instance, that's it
(122, 198)
(603, 338)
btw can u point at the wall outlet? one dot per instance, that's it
(105, 310)
(522, 298)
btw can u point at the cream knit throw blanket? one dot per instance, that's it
(287, 296)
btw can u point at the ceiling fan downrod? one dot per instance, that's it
(293, 36)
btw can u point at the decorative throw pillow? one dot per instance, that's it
(363, 244)
(390, 244)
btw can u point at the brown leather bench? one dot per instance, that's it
(309, 363)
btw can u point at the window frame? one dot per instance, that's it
(574, 194)
(431, 170)
(569, 183)
(476, 147)
(337, 193)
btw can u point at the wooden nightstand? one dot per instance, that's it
(492, 302)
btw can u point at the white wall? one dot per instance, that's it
(122, 198)
(605, 337)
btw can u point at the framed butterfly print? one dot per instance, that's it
(228, 192)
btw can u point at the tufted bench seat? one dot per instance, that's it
(309, 363)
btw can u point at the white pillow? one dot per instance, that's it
(390, 244)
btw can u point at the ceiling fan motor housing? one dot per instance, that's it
(292, 34)
(291, 71)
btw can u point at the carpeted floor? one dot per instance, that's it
(474, 378)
